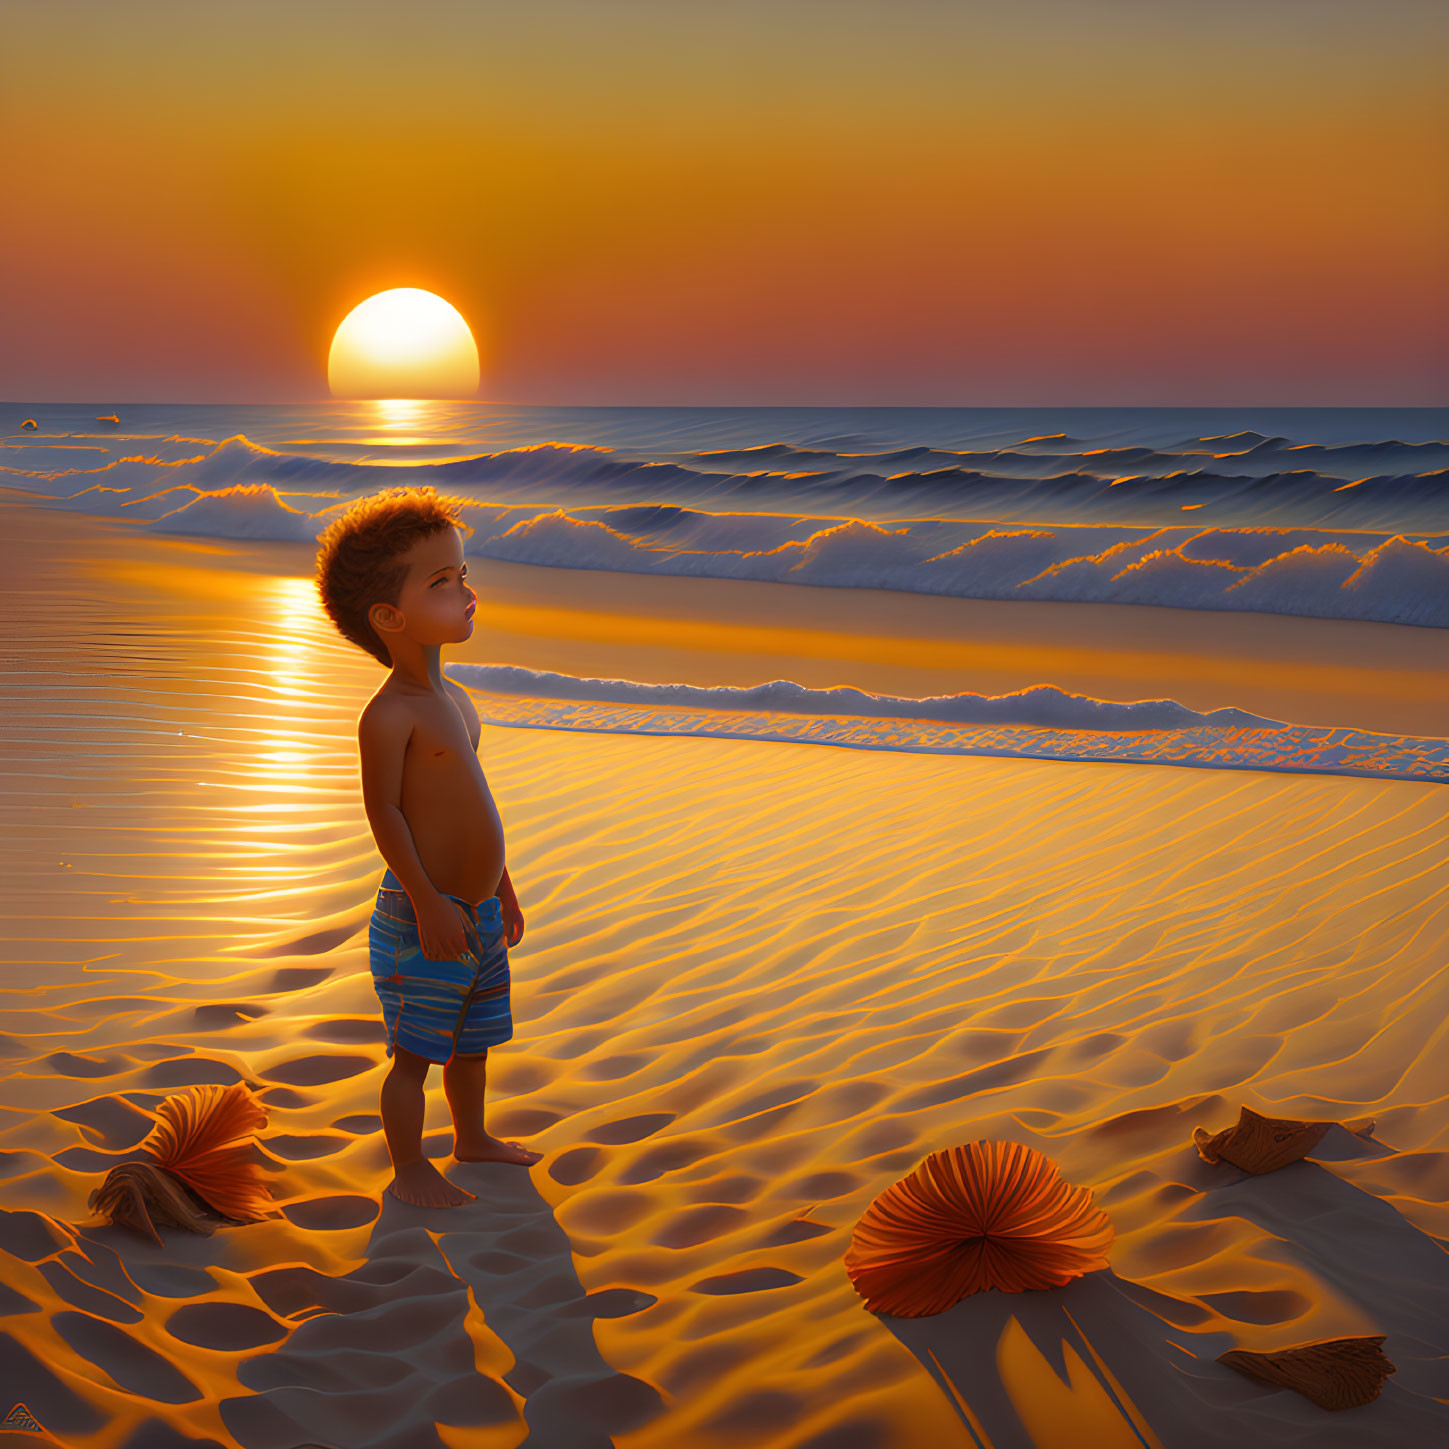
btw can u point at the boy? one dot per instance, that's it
(391, 576)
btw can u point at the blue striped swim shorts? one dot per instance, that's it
(436, 1008)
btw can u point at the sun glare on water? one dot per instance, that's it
(403, 343)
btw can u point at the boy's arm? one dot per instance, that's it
(383, 732)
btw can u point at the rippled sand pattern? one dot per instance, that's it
(759, 982)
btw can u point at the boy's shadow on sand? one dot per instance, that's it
(389, 1352)
(1159, 1360)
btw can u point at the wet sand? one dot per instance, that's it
(758, 984)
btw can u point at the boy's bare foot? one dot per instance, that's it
(421, 1184)
(489, 1148)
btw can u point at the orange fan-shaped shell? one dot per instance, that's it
(986, 1215)
(201, 1138)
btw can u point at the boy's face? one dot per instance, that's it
(435, 605)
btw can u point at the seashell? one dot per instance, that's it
(1259, 1144)
(1336, 1373)
(144, 1197)
(986, 1215)
(197, 1173)
(201, 1139)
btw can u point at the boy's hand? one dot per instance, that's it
(442, 928)
(512, 922)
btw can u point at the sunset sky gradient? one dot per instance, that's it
(1035, 203)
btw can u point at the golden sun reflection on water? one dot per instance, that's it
(404, 419)
(287, 758)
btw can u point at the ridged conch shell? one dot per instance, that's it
(197, 1173)
(1336, 1373)
(986, 1215)
(1259, 1144)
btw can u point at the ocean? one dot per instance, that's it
(1334, 515)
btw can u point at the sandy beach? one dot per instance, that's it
(759, 983)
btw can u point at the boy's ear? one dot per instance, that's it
(385, 618)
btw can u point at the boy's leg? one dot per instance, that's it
(463, 1082)
(415, 1179)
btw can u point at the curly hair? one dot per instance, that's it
(358, 556)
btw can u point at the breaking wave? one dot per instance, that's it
(1235, 521)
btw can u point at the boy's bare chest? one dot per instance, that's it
(442, 741)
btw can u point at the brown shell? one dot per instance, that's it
(986, 1215)
(144, 1197)
(197, 1173)
(1259, 1144)
(1336, 1373)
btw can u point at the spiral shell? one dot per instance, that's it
(197, 1172)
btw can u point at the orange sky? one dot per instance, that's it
(1036, 202)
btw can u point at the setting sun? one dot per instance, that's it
(403, 343)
